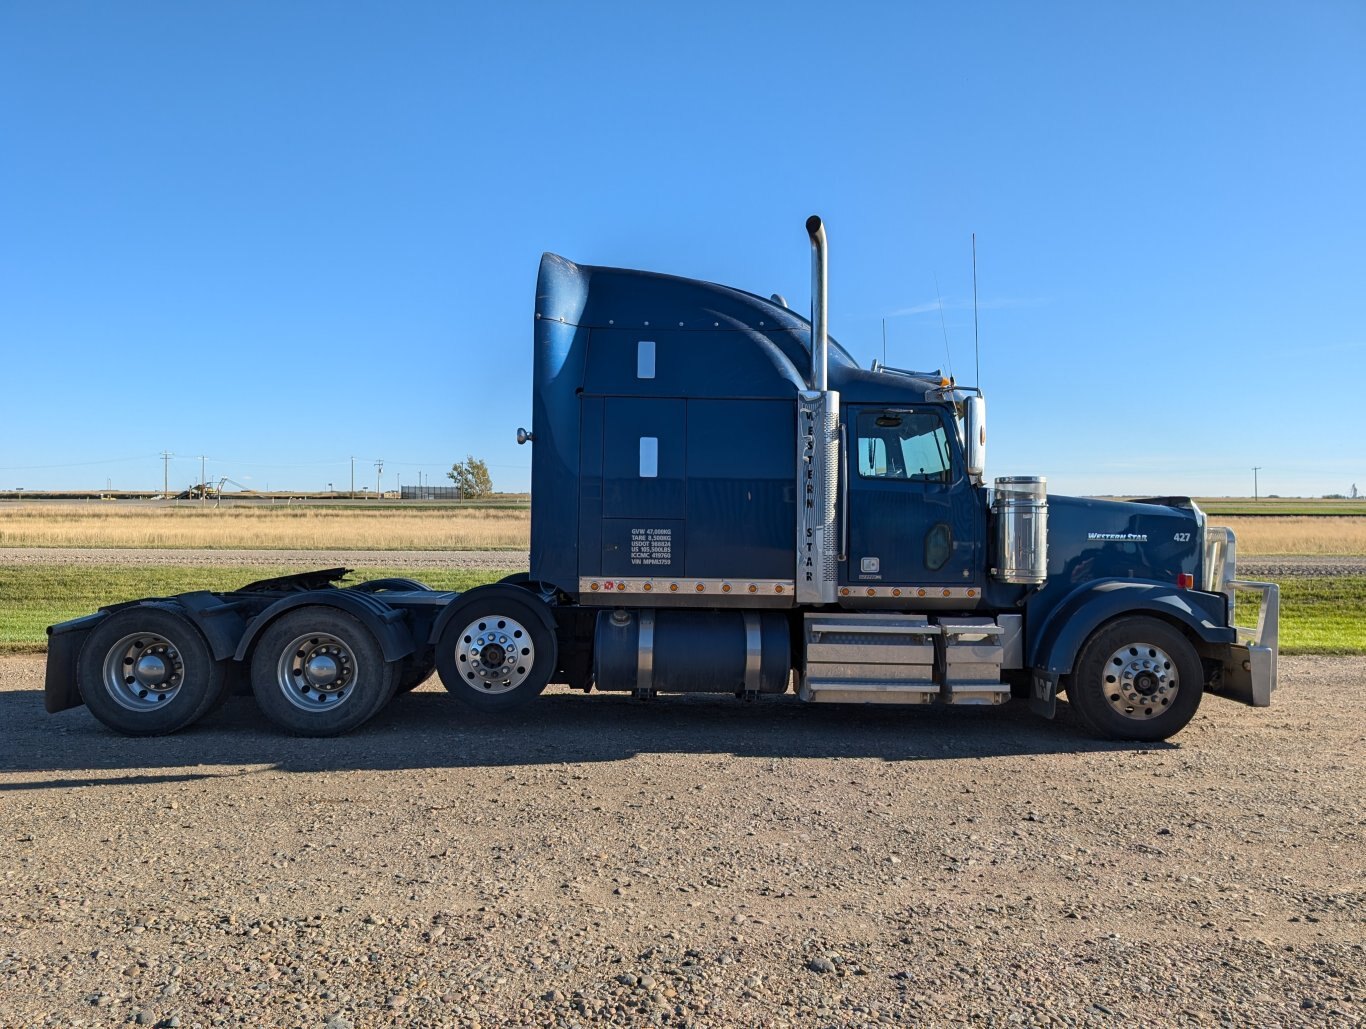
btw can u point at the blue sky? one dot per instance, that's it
(284, 234)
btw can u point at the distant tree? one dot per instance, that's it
(1333, 496)
(472, 477)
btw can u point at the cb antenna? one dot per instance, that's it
(884, 342)
(948, 358)
(976, 349)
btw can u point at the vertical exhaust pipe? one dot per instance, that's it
(818, 450)
(820, 345)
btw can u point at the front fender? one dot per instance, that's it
(387, 623)
(1054, 647)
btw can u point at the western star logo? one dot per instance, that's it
(1118, 537)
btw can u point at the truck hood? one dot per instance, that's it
(1098, 539)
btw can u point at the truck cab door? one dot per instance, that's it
(915, 520)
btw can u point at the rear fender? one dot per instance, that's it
(1053, 649)
(387, 623)
(220, 621)
(64, 642)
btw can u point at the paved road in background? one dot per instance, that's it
(1248, 567)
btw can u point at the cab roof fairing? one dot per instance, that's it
(595, 297)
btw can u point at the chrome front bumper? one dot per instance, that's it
(1250, 665)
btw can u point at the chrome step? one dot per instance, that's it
(870, 659)
(971, 661)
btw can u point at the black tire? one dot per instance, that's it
(417, 669)
(318, 671)
(1136, 678)
(147, 671)
(497, 650)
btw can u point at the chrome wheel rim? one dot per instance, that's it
(143, 671)
(317, 672)
(1140, 681)
(495, 654)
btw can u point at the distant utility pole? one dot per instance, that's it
(353, 477)
(166, 456)
(1254, 481)
(203, 482)
(379, 471)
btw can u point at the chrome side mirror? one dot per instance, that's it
(975, 437)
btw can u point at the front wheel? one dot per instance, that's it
(1136, 678)
(497, 650)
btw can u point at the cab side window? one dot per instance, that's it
(910, 445)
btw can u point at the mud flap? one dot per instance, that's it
(1043, 693)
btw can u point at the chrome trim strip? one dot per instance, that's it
(645, 653)
(754, 651)
(909, 592)
(591, 587)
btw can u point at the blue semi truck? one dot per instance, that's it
(723, 501)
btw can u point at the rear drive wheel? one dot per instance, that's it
(318, 671)
(147, 671)
(1136, 678)
(497, 650)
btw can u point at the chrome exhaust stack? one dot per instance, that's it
(820, 343)
(819, 451)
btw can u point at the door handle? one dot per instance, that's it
(843, 486)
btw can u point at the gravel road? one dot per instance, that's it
(301, 559)
(1248, 567)
(600, 860)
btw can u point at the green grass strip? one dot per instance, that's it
(32, 597)
(1318, 616)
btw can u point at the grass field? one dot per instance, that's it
(263, 527)
(1281, 506)
(33, 597)
(1336, 535)
(1318, 616)
(280, 527)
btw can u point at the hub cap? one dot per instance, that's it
(143, 671)
(316, 672)
(495, 655)
(1140, 681)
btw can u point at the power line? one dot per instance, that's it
(166, 456)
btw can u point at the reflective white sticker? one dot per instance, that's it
(645, 359)
(649, 457)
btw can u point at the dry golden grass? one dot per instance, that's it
(266, 527)
(1327, 535)
(278, 527)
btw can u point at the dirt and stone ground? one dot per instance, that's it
(600, 860)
